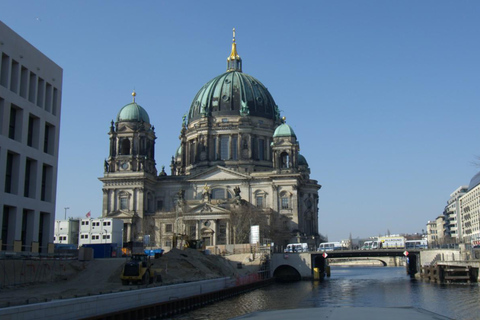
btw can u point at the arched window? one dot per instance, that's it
(123, 200)
(218, 194)
(284, 202)
(260, 199)
(285, 160)
(125, 146)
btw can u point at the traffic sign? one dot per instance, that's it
(405, 253)
(325, 255)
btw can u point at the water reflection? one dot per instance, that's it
(352, 287)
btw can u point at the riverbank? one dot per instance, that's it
(32, 281)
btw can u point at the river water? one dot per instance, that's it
(352, 287)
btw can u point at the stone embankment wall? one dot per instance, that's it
(450, 257)
(86, 307)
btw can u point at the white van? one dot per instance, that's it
(329, 246)
(296, 247)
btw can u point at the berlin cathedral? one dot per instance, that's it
(237, 165)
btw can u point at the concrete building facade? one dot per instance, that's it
(453, 218)
(470, 212)
(30, 105)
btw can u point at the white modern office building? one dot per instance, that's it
(470, 212)
(453, 225)
(30, 105)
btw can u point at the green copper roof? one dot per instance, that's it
(284, 130)
(233, 93)
(178, 153)
(301, 160)
(133, 112)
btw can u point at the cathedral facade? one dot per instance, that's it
(238, 165)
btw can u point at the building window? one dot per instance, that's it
(259, 201)
(30, 178)
(168, 227)
(5, 70)
(159, 205)
(285, 160)
(168, 243)
(11, 173)
(49, 138)
(261, 149)
(224, 147)
(218, 194)
(235, 148)
(193, 231)
(123, 203)
(46, 188)
(40, 93)
(106, 223)
(33, 127)
(12, 123)
(15, 75)
(284, 202)
(24, 82)
(125, 146)
(32, 90)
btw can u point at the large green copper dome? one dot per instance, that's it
(133, 112)
(233, 93)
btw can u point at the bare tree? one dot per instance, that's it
(242, 216)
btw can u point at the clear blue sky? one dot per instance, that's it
(383, 95)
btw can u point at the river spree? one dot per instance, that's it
(353, 287)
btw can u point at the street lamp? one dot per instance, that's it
(66, 208)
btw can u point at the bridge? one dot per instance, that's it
(297, 266)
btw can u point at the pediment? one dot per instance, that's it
(121, 215)
(207, 208)
(218, 174)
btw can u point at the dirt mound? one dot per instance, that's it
(76, 278)
(192, 265)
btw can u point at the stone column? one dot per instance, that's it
(217, 147)
(250, 140)
(105, 202)
(239, 147)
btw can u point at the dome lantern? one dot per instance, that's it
(234, 62)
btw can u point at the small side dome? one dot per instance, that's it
(178, 153)
(284, 130)
(475, 181)
(133, 112)
(302, 161)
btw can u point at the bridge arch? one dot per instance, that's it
(286, 273)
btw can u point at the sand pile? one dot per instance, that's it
(76, 278)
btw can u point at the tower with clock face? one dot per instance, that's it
(129, 171)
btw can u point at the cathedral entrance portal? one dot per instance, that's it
(207, 237)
